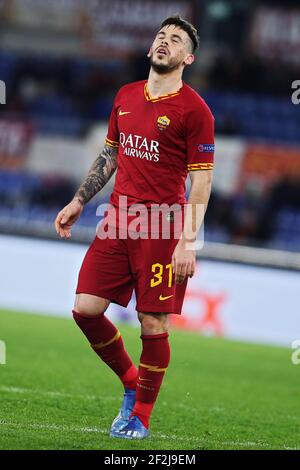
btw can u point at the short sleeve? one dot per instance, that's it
(199, 134)
(112, 138)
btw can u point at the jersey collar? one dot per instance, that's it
(159, 98)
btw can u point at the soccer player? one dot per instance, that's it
(160, 130)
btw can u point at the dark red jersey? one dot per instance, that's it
(159, 140)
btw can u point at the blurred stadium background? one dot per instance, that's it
(62, 63)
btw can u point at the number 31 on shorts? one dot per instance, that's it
(159, 270)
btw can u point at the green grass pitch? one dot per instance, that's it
(217, 394)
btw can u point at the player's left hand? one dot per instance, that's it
(183, 261)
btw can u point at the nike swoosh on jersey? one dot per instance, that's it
(121, 113)
(165, 298)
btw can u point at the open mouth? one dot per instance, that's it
(162, 51)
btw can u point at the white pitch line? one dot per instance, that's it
(63, 428)
(55, 427)
(54, 393)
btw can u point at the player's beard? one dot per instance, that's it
(163, 69)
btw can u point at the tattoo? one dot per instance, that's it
(101, 171)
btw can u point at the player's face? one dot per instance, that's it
(170, 50)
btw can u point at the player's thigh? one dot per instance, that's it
(90, 304)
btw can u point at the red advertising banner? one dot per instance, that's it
(265, 164)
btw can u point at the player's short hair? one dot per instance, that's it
(186, 26)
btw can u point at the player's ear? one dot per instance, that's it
(189, 59)
(150, 52)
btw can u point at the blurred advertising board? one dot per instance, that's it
(275, 34)
(223, 299)
(265, 164)
(15, 140)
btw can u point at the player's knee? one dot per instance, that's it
(90, 304)
(153, 323)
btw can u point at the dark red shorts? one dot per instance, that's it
(112, 268)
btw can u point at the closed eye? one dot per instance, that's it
(176, 38)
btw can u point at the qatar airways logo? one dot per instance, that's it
(139, 147)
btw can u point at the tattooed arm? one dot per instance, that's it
(101, 171)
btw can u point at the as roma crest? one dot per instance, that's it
(163, 122)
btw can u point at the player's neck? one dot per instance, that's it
(163, 84)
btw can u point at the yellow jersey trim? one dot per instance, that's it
(200, 166)
(111, 143)
(159, 98)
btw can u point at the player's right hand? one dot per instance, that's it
(67, 217)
